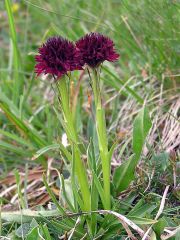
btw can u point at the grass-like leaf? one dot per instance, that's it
(55, 201)
(22, 127)
(16, 55)
(124, 174)
(45, 231)
(141, 127)
(44, 150)
(128, 89)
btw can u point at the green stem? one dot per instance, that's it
(79, 167)
(102, 137)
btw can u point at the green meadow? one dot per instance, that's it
(95, 154)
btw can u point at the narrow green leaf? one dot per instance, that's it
(141, 209)
(5, 99)
(128, 89)
(111, 151)
(94, 206)
(124, 174)
(22, 126)
(142, 221)
(46, 232)
(26, 215)
(65, 152)
(14, 149)
(55, 201)
(159, 226)
(61, 225)
(67, 200)
(16, 56)
(77, 197)
(141, 127)
(99, 188)
(16, 138)
(33, 234)
(19, 191)
(80, 171)
(44, 150)
(91, 160)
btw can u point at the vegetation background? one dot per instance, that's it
(147, 36)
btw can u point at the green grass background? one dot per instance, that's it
(146, 34)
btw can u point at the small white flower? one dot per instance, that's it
(64, 140)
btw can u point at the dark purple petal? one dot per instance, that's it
(94, 48)
(57, 57)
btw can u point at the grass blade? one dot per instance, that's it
(46, 232)
(99, 188)
(128, 89)
(22, 126)
(55, 201)
(124, 174)
(141, 127)
(16, 54)
(14, 149)
(44, 150)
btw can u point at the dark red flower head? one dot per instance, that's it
(57, 56)
(94, 48)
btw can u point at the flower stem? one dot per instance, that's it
(72, 135)
(102, 136)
